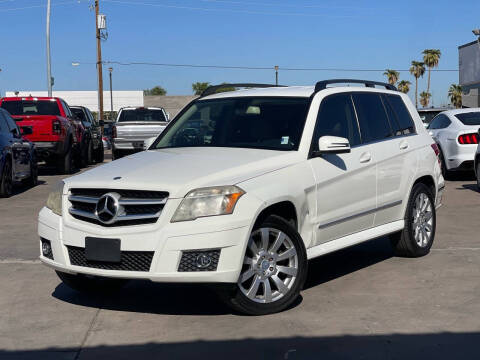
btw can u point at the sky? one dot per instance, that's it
(323, 34)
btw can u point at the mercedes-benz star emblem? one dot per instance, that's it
(108, 208)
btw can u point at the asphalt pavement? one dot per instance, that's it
(358, 303)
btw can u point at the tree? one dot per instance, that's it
(157, 90)
(417, 70)
(199, 87)
(404, 86)
(425, 98)
(392, 76)
(455, 95)
(431, 57)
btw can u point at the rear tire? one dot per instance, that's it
(417, 237)
(65, 163)
(445, 172)
(273, 272)
(116, 154)
(32, 181)
(91, 285)
(478, 175)
(100, 154)
(6, 182)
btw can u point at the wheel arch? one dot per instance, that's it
(284, 209)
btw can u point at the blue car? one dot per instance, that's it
(18, 161)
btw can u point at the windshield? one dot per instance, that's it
(249, 122)
(471, 118)
(31, 107)
(142, 115)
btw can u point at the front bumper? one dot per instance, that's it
(167, 242)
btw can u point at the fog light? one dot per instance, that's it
(199, 260)
(203, 261)
(47, 249)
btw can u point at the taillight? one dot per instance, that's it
(114, 132)
(56, 127)
(468, 139)
(437, 152)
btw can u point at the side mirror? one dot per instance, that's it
(26, 130)
(147, 143)
(101, 123)
(333, 145)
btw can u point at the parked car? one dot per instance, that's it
(57, 135)
(17, 156)
(456, 133)
(93, 149)
(477, 163)
(270, 178)
(135, 125)
(427, 114)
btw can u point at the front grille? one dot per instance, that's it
(134, 207)
(130, 260)
(189, 261)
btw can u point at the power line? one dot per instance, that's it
(239, 67)
(40, 6)
(181, 7)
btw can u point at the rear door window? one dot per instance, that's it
(336, 117)
(31, 107)
(373, 120)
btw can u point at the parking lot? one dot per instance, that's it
(358, 303)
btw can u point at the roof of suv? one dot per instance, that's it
(461, 111)
(289, 91)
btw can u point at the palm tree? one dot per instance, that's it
(425, 98)
(417, 70)
(392, 76)
(431, 57)
(199, 87)
(455, 95)
(404, 86)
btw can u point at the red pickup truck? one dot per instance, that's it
(57, 134)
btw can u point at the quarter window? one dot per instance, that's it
(374, 125)
(336, 117)
(401, 121)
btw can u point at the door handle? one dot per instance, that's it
(365, 157)
(404, 145)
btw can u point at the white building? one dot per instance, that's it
(89, 99)
(469, 65)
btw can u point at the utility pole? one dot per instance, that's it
(276, 75)
(99, 63)
(110, 70)
(49, 68)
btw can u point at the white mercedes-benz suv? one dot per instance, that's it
(243, 188)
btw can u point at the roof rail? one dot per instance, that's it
(322, 85)
(214, 88)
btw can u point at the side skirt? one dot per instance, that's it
(354, 239)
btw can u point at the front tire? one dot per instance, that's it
(417, 237)
(273, 272)
(91, 285)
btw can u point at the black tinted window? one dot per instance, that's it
(471, 118)
(440, 122)
(336, 117)
(31, 107)
(141, 115)
(79, 113)
(402, 121)
(372, 117)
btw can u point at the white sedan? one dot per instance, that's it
(456, 133)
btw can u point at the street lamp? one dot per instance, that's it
(276, 75)
(110, 70)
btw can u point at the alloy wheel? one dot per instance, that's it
(270, 266)
(422, 220)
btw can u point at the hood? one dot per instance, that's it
(180, 170)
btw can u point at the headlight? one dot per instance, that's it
(210, 201)
(54, 201)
